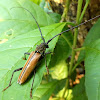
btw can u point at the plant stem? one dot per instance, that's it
(74, 44)
(79, 10)
(65, 12)
(79, 49)
(71, 69)
(73, 52)
(66, 87)
(75, 35)
(83, 12)
(75, 66)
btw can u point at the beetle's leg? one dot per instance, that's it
(46, 61)
(46, 65)
(32, 85)
(26, 53)
(11, 78)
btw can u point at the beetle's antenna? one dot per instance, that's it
(73, 28)
(34, 19)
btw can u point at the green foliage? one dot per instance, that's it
(36, 1)
(94, 34)
(44, 91)
(92, 66)
(22, 35)
(58, 66)
(79, 92)
(56, 17)
(92, 61)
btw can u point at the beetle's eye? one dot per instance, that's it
(37, 52)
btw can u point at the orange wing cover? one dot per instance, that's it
(28, 67)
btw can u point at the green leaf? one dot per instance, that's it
(76, 93)
(13, 51)
(59, 71)
(68, 94)
(18, 21)
(58, 64)
(79, 91)
(25, 37)
(44, 91)
(93, 35)
(56, 17)
(17, 24)
(36, 1)
(92, 68)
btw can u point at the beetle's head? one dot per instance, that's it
(41, 48)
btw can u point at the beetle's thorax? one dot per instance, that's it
(41, 48)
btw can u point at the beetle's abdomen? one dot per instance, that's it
(28, 67)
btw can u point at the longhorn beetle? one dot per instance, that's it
(36, 55)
